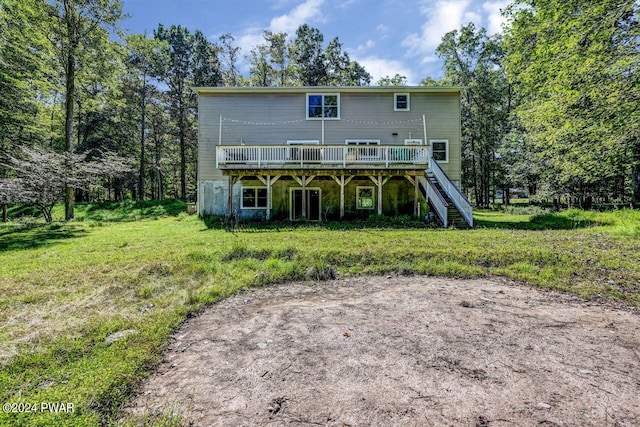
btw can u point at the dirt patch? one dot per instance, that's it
(402, 351)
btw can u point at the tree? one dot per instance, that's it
(42, 175)
(270, 61)
(574, 65)
(25, 63)
(189, 60)
(229, 53)
(474, 60)
(397, 80)
(144, 56)
(316, 66)
(308, 56)
(80, 23)
(279, 49)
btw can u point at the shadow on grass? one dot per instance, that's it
(398, 222)
(19, 237)
(129, 210)
(541, 221)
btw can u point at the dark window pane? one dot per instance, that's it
(315, 111)
(440, 151)
(440, 156)
(331, 100)
(249, 197)
(331, 111)
(402, 102)
(262, 198)
(315, 100)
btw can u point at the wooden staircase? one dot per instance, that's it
(445, 199)
(454, 218)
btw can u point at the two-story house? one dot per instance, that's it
(329, 152)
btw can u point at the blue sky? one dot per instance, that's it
(386, 36)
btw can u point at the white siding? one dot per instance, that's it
(273, 118)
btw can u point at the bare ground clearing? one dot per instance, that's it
(402, 351)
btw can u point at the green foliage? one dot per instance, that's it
(304, 61)
(574, 67)
(474, 60)
(189, 59)
(26, 63)
(397, 80)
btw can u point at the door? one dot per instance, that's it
(312, 201)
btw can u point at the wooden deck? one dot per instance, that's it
(322, 157)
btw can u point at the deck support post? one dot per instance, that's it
(416, 200)
(230, 199)
(268, 215)
(342, 182)
(379, 181)
(304, 197)
(379, 194)
(268, 181)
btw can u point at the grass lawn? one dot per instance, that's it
(66, 287)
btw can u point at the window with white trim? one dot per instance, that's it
(323, 106)
(364, 152)
(401, 102)
(440, 150)
(254, 198)
(364, 197)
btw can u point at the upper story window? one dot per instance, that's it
(440, 150)
(401, 102)
(323, 106)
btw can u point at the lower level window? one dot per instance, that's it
(254, 198)
(364, 197)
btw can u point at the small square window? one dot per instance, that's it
(364, 197)
(440, 150)
(402, 102)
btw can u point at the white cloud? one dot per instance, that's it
(249, 39)
(363, 48)
(380, 67)
(494, 19)
(346, 3)
(442, 17)
(308, 11)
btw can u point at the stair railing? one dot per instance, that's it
(459, 200)
(437, 201)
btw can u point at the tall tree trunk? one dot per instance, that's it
(69, 103)
(142, 129)
(159, 194)
(183, 156)
(5, 216)
(69, 190)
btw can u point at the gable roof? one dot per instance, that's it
(327, 89)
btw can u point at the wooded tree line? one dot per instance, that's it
(73, 83)
(550, 106)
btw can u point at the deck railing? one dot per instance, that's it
(338, 155)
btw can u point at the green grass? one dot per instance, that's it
(66, 287)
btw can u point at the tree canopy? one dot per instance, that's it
(550, 105)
